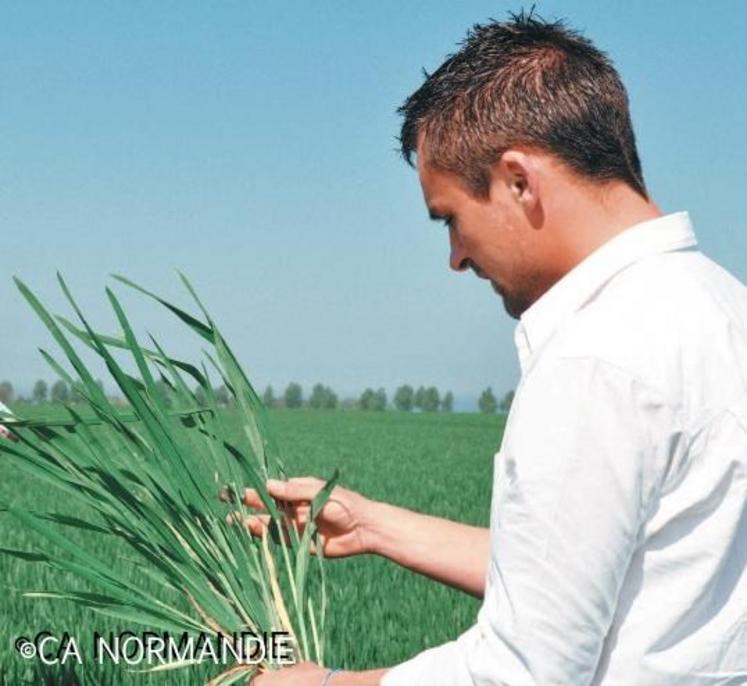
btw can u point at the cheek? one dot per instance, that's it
(478, 236)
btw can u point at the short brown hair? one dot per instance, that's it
(525, 81)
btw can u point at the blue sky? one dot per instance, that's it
(252, 145)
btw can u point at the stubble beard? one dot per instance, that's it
(515, 302)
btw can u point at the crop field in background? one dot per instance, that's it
(379, 613)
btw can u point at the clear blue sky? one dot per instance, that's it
(252, 145)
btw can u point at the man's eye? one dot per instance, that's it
(448, 222)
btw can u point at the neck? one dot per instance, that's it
(585, 221)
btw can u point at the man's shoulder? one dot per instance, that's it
(676, 321)
(677, 289)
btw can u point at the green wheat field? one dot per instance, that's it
(379, 615)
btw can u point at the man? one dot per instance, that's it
(618, 539)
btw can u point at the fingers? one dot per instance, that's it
(252, 499)
(255, 524)
(293, 497)
(259, 525)
(295, 490)
(298, 490)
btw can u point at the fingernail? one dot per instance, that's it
(274, 484)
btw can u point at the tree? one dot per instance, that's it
(164, 393)
(318, 397)
(507, 401)
(487, 402)
(201, 395)
(431, 399)
(268, 397)
(379, 400)
(323, 398)
(222, 397)
(39, 394)
(293, 396)
(403, 398)
(367, 399)
(447, 402)
(330, 399)
(373, 400)
(6, 392)
(59, 392)
(419, 398)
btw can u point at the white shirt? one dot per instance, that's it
(619, 511)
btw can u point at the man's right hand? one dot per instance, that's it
(342, 522)
(350, 524)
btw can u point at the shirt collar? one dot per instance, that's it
(662, 234)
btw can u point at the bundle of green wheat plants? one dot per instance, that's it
(149, 472)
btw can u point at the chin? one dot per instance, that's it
(514, 307)
(512, 310)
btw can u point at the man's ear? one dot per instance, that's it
(520, 174)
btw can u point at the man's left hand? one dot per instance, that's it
(6, 433)
(305, 674)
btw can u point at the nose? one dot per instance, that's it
(458, 259)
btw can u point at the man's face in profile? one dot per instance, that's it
(487, 235)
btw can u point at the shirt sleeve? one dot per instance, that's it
(585, 450)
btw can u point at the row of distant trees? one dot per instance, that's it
(324, 398)
(406, 398)
(58, 392)
(488, 403)
(61, 392)
(321, 398)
